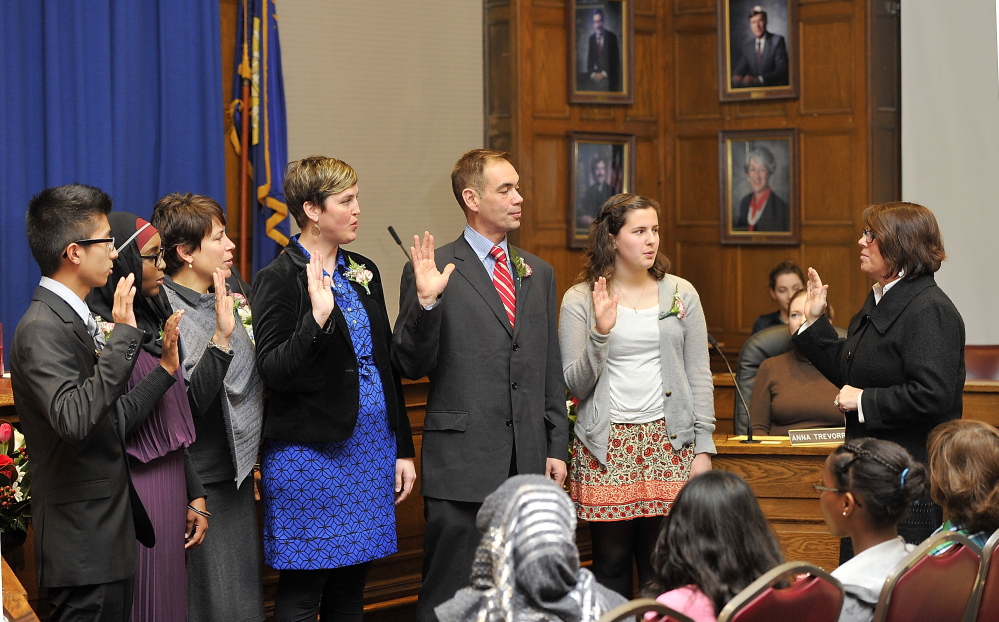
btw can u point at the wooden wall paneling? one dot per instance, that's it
(499, 82)
(547, 64)
(776, 109)
(710, 272)
(828, 50)
(693, 7)
(549, 189)
(827, 176)
(696, 180)
(884, 87)
(647, 78)
(647, 180)
(695, 85)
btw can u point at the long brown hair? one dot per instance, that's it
(600, 254)
(964, 473)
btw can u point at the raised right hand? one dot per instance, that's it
(170, 360)
(320, 289)
(430, 282)
(815, 301)
(225, 310)
(604, 307)
(124, 294)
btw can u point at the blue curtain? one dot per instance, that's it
(119, 94)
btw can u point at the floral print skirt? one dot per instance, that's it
(642, 476)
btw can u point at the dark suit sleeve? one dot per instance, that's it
(556, 417)
(821, 344)
(929, 339)
(742, 66)
(613, 63)
(776, 74)
(416, 339)
(50, 370)
(206, 379)
(287, 338)
(195, 489)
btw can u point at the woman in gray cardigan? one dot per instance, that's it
(635, 354)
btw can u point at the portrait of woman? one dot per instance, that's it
(900, 370)
(762, 209)
(757, 193)
(635, 354)
(338, 449)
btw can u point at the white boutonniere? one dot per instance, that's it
(359, 274)
(523, 268)
(105, 327)
(244, 313)
(678, 309)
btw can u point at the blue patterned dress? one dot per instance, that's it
(328, 505)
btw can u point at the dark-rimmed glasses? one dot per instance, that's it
(156, 259)
(869, 235)
(90, 241)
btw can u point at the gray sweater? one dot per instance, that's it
(688, 392)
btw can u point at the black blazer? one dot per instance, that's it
(492, 387)
(906, 353)
(776, 215)
(73, 416)
(310, 374)
(774, 60)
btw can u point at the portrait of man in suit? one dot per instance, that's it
(598, 59)
(479, 317)
(68, 380)
(758, 56)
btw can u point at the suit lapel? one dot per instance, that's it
(66, 313)
(472, 270)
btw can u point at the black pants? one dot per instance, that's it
(335, 595)
(449, 544)
(102, 602)
(616, 544)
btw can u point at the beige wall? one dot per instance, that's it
(395, 89)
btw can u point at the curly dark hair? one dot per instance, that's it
(882, 476)
(715, 537)
(964, 473)
(598, 260)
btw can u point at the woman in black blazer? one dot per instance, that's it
(337, 441)
(901, 366)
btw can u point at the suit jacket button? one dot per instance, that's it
(673, 436)
(509, 423)
(515, 385)
(516, 347)
(669, 393)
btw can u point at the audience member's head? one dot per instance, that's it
(312, 180)
(715, 538)
(868, 486)
(601, 248)
(785, 279)
(964, 473)
(907, 237)
(527, 565)
(66, 216)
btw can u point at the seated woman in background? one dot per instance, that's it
(867, 488)
(964, 477)
(789, 393)
(713, 544)
(527, 567)
(785, 279)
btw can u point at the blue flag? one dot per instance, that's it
(268, 127)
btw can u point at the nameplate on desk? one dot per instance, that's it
(817, 436)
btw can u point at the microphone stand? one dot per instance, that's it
(399, 242)
(742, 398)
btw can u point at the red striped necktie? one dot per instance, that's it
(503, 281)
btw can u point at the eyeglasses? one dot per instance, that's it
(88, 242)
(156, 259)
(869, 235)
(820, 488)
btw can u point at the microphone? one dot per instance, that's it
(395, 237)
(742, 398)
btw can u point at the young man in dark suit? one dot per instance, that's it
(67, 381)
(490, 346)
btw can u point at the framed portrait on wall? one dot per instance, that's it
(600, 165)
(758, 202)
(601, 65)
(757, 49)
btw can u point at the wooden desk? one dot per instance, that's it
(781, 477)
(15, 601)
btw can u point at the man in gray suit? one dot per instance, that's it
(68, 383)
(489, 343)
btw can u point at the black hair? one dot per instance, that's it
(59, 216)
(882, 476)
(716, 538)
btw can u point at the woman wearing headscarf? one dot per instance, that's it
(162, 472)
(224, 579)
(526, 568)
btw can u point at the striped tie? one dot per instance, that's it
(503, 282)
